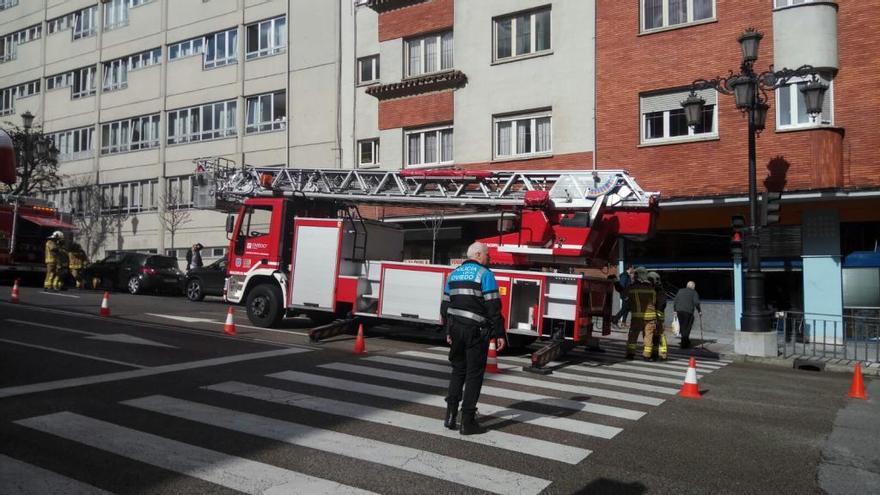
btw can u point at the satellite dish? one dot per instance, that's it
(7, 158)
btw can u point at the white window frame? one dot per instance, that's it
(676, 96)
(438, 131)
(59, 81)
(229, 40)
(422, 42)
(664, 24)
(8, 4)
(116, 71)
(83, 28)
(533, 34)
(119, 136)
(186, 48)
(373, 146)
(74, 144)
(779, 4)
(794, 95)
(373, 61)
(116, 12)
(260, 123)
(89, 88)
(11, 41)
(181, 122)
(275, 42)
(183, 185)
(513, 120)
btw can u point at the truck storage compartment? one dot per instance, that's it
(315, 259)
(412, 293)
(525, 298)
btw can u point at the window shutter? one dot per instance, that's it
(671, 100)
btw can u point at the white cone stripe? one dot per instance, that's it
(690, 376)
(209, 465)
(434, 400)
(21, 478)
(431, 426)
(417, 461)
(578, 377)
(439, 382)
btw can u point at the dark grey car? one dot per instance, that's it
(206, 281)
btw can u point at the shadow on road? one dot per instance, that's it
(605, 485)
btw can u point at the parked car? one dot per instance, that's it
(206, 281)
(135, 272)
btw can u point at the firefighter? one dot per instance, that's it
(51, 260)
(641, 296)
(62, 264)
(77, 261)
(654, 316)
(471, 310)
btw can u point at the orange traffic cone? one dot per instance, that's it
(360, 346)
(857, 390)
(690, 389)
(105, 304)
(15, 292)
(229, 326)
(492, 359)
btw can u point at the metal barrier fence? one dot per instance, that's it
(851, 336)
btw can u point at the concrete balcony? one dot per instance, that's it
(76, 166)
(24, 64)
(806, 34)
(265, 141)
(28, 104)
(63, 53)
(129, 159)
(186, 152)
(188, 74)
(185, 12)
(59, 104)
(143, 85)
(261, 67)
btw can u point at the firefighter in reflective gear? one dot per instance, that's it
(654, 316)
(471, 310)
(77, 260)
(51, 260)
(641, 297)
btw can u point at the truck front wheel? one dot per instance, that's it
(264, 306)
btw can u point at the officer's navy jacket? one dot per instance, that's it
(471, 293)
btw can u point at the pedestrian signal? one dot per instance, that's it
(738, 225)
(770, 208)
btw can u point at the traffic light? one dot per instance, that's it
(770, 207)
(738, 226)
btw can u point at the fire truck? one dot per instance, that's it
(298, 244)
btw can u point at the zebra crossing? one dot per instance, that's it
(378, 412)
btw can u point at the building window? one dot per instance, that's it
(116, 71)
(6, 4)
(186, 48)
(368, 69)
(266, 37)
(83, 82)
(9, 42)
(663, 118)
(266, 112)
(9, 95)
(139, 133)
(179, 192)
(82, 23)
(791, 107)
(658, 14)
(74, 144)
(428, 147)
(221, 48)
(523, 135)
(368, 153)
(522, 34)
(202, 123)
(130, 197)
(788, 3)
(116, 12)
(428, 54)
(59, 81)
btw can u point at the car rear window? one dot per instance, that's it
(162, 262)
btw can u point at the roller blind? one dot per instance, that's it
(671, 100)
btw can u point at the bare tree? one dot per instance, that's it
(95, 215)
(36, 161)
(174, 213)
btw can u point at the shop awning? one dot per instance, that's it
(48, 222)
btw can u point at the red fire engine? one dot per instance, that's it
(299, 246)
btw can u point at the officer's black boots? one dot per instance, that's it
(469, 425)
(451, 415)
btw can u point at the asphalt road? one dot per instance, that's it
(156, 399)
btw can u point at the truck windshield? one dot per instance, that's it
(255, 222)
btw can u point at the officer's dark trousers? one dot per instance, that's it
(468, 358)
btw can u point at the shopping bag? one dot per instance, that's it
(676, 328)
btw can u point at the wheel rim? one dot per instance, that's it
(260, 307)
(193, 290)
(133, 285)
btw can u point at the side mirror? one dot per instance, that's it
(230, 223)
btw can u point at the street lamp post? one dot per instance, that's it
(749, 90)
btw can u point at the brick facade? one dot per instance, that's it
(569, 161)
(432, 108)
(426, 17)
(632, 64)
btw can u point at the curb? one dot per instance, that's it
(840, 366)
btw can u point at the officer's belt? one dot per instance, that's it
(466, 314)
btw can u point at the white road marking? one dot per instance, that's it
(556, 374)
(417, 461)
(215, 467)
(58, 295)
(505, 412)
(531, 382)
(633, 366)
(69, 353)
(21, 478)
(189, 319)
(113, 337)
(128, 375)
(611, 353)
(185, 319)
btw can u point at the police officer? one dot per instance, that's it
(51, 260)
(654, 316)
(641, 296)
(472, 312)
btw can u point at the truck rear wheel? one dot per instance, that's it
(264, 306)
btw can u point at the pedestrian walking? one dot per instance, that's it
(194, 257)
(687, 301)
(655, 331)
(471, 310)
(51, 260)
(626, 278)
(642, 296)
